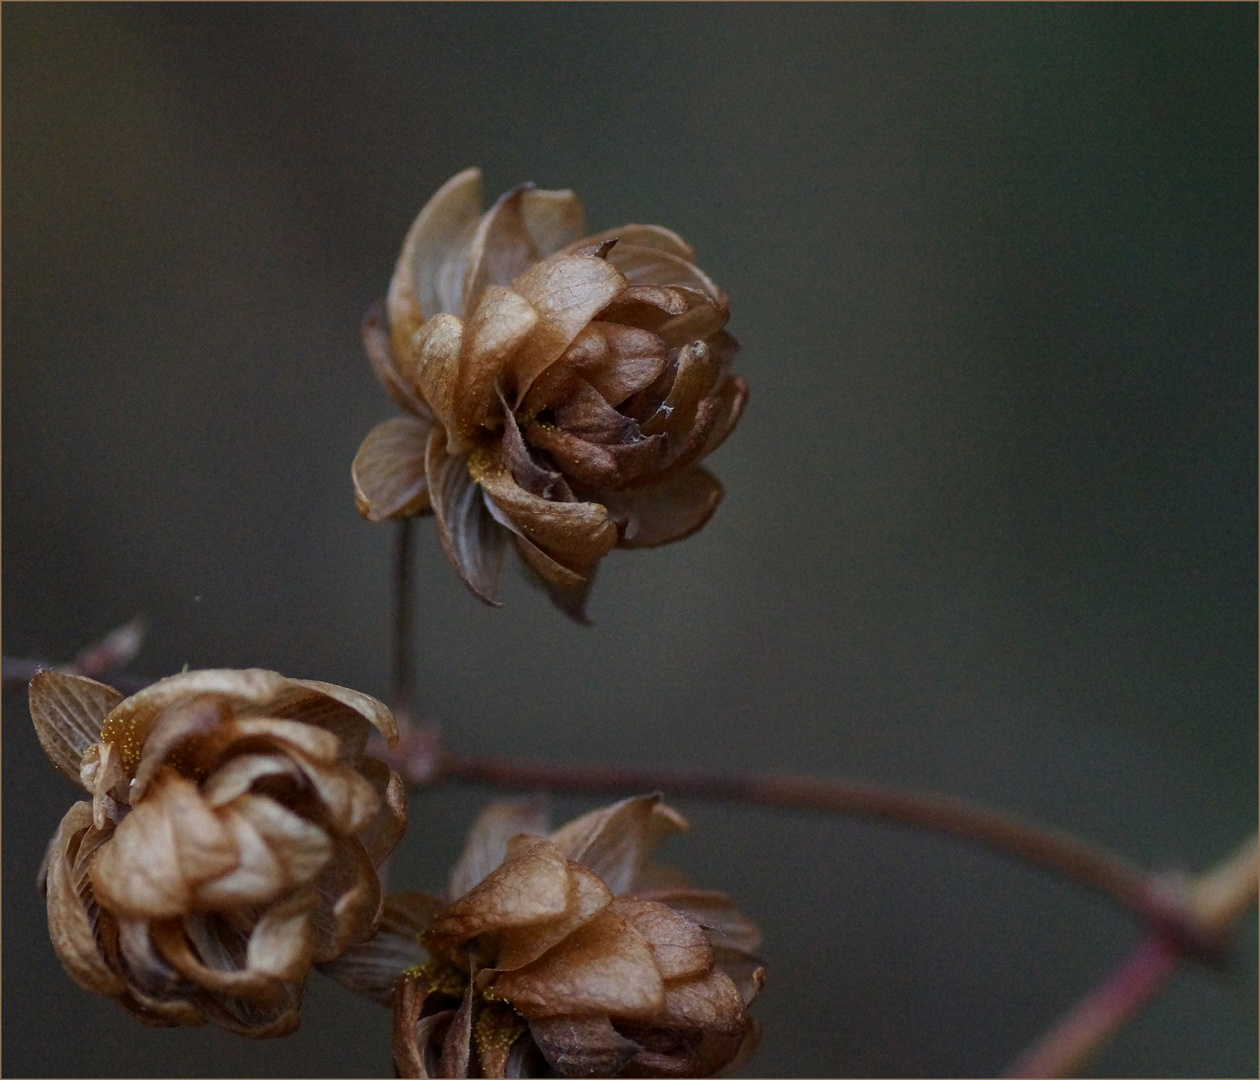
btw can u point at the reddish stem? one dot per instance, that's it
(1102, 1012)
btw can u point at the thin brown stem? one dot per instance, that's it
(402, 644)
(1047, 847)
(1216, 903)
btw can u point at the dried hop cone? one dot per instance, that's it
(564, 955)
(232, 840)
(561, 387)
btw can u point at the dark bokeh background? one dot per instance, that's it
(990, 523)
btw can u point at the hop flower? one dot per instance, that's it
(232, 839)
(569, 955)
(561, 387)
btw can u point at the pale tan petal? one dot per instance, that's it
(337, 709)
(315, 742)
(532, 885)
(643, 265)
(278, 851)
(716, 912)
(281, 945)
(576, 534)
(382, 834)
(661, 512)
(746, 972)
(648, 236)
(567, 589)
(496, 330)
(236, 776)
(732, 397)
(647, 307)
(605, 966)
(697, 369)
(216, 964)
(501, 249)
(679, 946)
(149, 976)
(380, 354)
(68, 711)
(685, 1054)
(349, 799)
(70, 925)
(711, 1003)
(430, 363)
(551, 572)
(270, 1020)
(101, 772)
(373, 967)
(189, 735)
(582, 1045)
(675, 313)
(616, 360)
(161, 852)
(567, 291)
(129, 723)
(553, 218)
(634, 359)
(587, 897)
(349, 901)
(473, 541)
(615, 841)
(388, 470)
(487, 843)
(703, 319)
(432, 243)
(584, 462)
(747, 1047)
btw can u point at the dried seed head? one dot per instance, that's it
(232, 840)
(561, 388)
(568, 954)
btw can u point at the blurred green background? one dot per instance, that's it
(990, 523)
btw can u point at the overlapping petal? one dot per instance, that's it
(232, 842)
(533, 967)
(580, 371)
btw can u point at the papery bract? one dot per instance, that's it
(562, 388)
(232, 840)
(567, 954)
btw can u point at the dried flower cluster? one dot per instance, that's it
(232, 840)
(561, 388)
(570, 954)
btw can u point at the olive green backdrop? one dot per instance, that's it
(990, 522)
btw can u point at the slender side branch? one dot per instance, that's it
(402, 679)
(103, 660)
(1217, 901)
(1050, 848)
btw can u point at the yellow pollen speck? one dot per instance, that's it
(496, 1029)
(439, 977)
(480, 463)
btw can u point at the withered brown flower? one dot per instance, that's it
(232, 840)
(565, 955)
(561, 388)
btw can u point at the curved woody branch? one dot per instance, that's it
(421, 760)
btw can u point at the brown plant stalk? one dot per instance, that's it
(421, 759)
(1054, 849)
(1216, 902)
